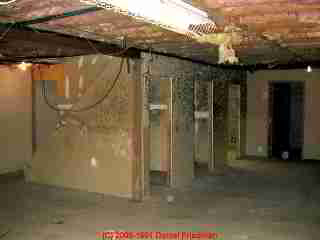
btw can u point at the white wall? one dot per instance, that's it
(257, 110)
(15, 119)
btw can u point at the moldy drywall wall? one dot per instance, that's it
(202, 136)
(257, 110)
(178, 77)
(15, 119)
(93, 150)
(169, 82)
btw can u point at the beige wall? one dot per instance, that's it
(15, 118)
(67, 156)
(257, 110)
(45, 119)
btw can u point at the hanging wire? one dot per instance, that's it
(124, 44)
(87, 108)
(7, 31)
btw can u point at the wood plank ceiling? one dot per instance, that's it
(272, 31)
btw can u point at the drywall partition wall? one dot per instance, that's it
(178, 76)
(220, 123)
(157, 159)
(175, 84)
(257, 110)
(257, 115)
(202, 122)
(183, 128)
(94, 150)
(16, 117)
(44, 119)
(311, 145)
(219, 90)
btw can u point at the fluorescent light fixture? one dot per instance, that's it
(309, 69)
(175, 15)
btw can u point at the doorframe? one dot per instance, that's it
(269, 120)
(212, 161)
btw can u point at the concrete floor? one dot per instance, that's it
(253, 199)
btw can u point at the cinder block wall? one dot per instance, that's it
(15, 118)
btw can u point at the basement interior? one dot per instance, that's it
(159, 119)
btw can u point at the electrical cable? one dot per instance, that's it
(87, 108)
(7, 31)
(109, 53)
(8, 2)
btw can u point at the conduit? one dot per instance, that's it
(44, 19)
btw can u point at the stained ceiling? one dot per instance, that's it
(268, 32)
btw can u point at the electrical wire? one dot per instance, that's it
(8, 2)
(87, 108)
(109, 53)
(7, 31)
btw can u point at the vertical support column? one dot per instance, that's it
(269, 120)
(220, 123)
(243, 117)
(138, 138)
(165, 124)
(196, 121)
(183, 131)
(171, 170)
(211, 164)
(234, 121)
(145, 125)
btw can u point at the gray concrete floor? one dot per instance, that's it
(252, 199)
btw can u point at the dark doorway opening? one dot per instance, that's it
(286, 110)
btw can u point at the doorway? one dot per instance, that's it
(286, 111)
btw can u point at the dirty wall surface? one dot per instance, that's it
(91, 152)
(178, 77)
(15, 119)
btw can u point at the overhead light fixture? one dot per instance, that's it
(24, 66)
(309, 69)
(174, 15)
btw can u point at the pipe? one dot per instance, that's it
(44, 19)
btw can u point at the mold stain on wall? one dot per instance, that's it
(65, 158)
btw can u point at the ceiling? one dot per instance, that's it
(269, 32)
